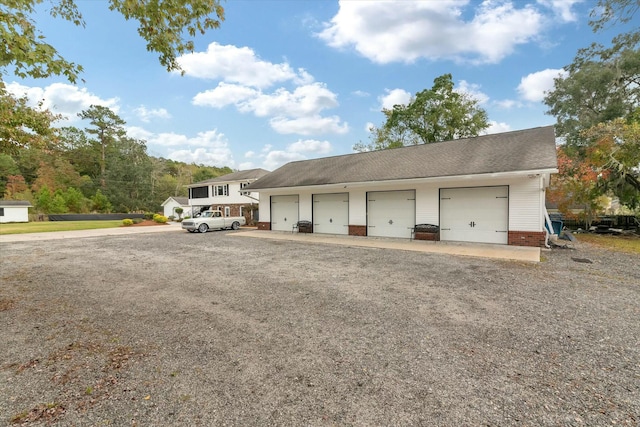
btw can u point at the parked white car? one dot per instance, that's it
(212, 220)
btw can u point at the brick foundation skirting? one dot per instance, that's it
(527, 238)
(357, 230)
(264, 226)
(434, 237)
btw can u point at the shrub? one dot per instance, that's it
(149, 215)
(171, 218)
(127, 222)
(137, 220)
(160, 219)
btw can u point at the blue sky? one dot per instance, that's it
(291, 79)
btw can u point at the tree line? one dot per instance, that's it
(96, 169)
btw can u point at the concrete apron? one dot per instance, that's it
(514, 253)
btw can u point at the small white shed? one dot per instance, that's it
(14, 211)
(172, 203)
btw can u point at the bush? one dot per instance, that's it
(149, 215)
(160, 219)
(127, 222)
(137, 220)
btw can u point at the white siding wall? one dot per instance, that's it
(358, 207)
(526, 200)
(233, 198)
(305, 205)
(15, 214)
(427, 204)
(265, 207)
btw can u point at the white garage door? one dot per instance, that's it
(284, 212)
(391, 213)
(331, 213)
(475, 214)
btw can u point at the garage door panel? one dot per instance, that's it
(391, 213)
(475, 214)
(331, 213)
(284, 212)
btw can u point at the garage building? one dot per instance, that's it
(486, 189)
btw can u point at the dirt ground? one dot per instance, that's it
(183, 329)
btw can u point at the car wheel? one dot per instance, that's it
(203, 228)
(235, 225)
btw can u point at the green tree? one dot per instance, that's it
(43, 200)
(436, 114)
(129, 176)
(8, 167)
(75, 200)
(100, 202)
(58, 204)
(23, 126)
(614, 152)
(168, 28)
(108, 127)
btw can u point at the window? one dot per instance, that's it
(241, 210)
(1, 211)
(242, 185)
(221, 190)
(199, 192)
(227, 211)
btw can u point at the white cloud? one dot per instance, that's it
(296, 111)
(225, 94)
(206, 156)
(534, 86)
(562, 8)
(239, 65)
(61, 98)
(495, 127)
(275, 159)
(310, 146)
(473, 90)
(360, 93)
(249, 154)
(245, 166)
(208, 148)
(394, 97)
(405, 31)
(507, 104)
(304, 101)
(146, 115)
(313, 125)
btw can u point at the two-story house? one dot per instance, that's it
(225, 193)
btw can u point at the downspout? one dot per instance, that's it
(549, 226)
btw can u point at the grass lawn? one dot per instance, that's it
(629, 244)
(45, 226)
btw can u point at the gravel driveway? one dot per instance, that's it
(179, 329)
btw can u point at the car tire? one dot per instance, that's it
(235, 225)
(203, 228)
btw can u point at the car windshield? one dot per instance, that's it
(207, 214)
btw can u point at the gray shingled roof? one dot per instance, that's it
(182, 200)
(250, 174)
(8, 203)
(524, 150)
